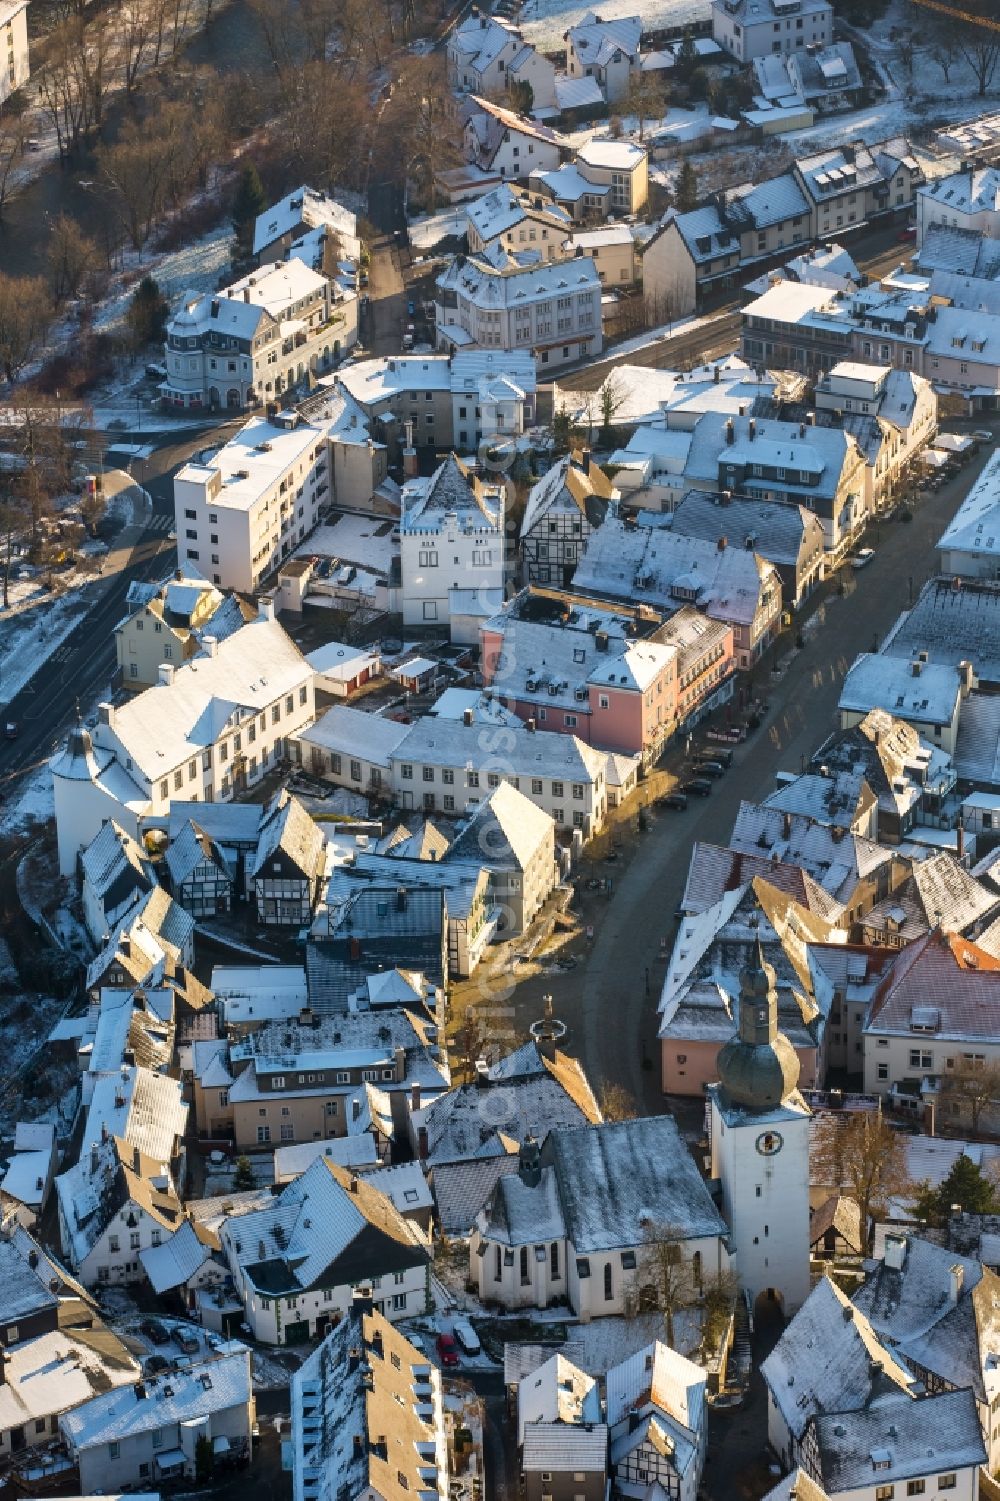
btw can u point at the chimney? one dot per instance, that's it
(246, 294)
(415, 1096)
(715, 375)
(359, 1446)
(802, 429)
(411, 467)
(93, 1157)
(399, 1060)
(967, 678)
(916, 668)
(165, 674)
(811, 418)
(467, 716)
(423, 1146)
(895, 1252)
(585, 461)
(529, 1162)
(136, 1161)
(482, 1074)
(730, 431)
(960, 843)
(105, 714)
(752, 429)
(786, 826)
(210, 645)
(354, 1183)
(722, 543)
(529, 725)
(956, 1276)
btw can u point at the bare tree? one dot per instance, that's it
(968, 1091)
(973, 30)
(135, 35)
(11, 150)
(859, 1153)
(72, 257)
(612, 401)
(646, 99)
(134, 169)
(666, 1279)
(421, 112)
(25, 314)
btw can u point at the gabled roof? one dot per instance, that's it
(328, 1228)
(569, 486)
(175, 1261)
(658, 1377)
(288, 830)
(940, 984)
(177, 1396)
(506, 832)
(115, 867)
(787, 535)
(191, 847)
(597, 42)
(899, 1440)
(829, 1359)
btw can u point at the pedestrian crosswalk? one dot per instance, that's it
(161, 521)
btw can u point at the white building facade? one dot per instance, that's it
(451, 537)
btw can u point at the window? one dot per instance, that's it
(947, 1482)
(448, 777)
(915, 1487)
(525, 1275)
(553, 1261)
(884, 1492)
(133, 1240)
(557, 789)
(398, 1301)
(263, 1134)
(113, 1244)
(407, 772)
(883, 1071)
(114, 1450)
(608, 1286)
(472, 779)
(428, 773)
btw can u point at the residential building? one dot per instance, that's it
(449, 400)
(828, 78)
(932, 1014)
(787, 534)
(27, 1183)
(451, 538)
(167, 624)
(552, 310)
(488, 56)
(952, 625)
(510, 218)
(441, 766)
(561, 511)
(701, 1001)
(594, 671)
(367, 1416)
(562, 1440)
(930, 1446)
(509, 145)
(747, 32)
(647, 564)
(515, 841)
(948, 1333)
(41, 1296)
(568, 1223)
(968, 199)
(820, 468)
(253, 340)
(612, 249)
(149, 1431)
(903, 405)
(239, 515)
(926, 695)
(208, 730)
(969, 547)
(203, 877)
(607, 51)
(687, 253)
(52, 1374)
(16, 68)
(296, 1268)
(851, 184)
(657, 1417)
(290, 1081)
(621, 166)
(115, 1202)
(857, 1371)
(302, 210)
(290, 863)
(116, 872)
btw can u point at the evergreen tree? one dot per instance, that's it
(686, 194)
(248, 203)
(965, 1186)
(685, 58)
(146, 314)
(243, 1178)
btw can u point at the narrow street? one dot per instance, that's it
(382, 330)
(604, 1000)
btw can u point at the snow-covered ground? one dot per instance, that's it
(429, 229)
(199, 267)
(544, 22)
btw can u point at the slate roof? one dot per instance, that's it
(875, 681)
(189, 848)
(903, 1304)
(904, 1438)
(617, 1176)
(287, 829)
(564, 1447)
(947, 984)
(715, 870)
(825, 1361)
(939, 892)
(115, 867)
(787, 535)
(174, 1397)
(506, 832)
(597, 42)
(461, 1189)
(660, 1377)
(328, 1228)
(171, 1264)
(470, 1121)
(975, 526)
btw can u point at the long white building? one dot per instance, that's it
(15, 68)
(241, 513)
(552, 309)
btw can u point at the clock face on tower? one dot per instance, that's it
(769, 1143)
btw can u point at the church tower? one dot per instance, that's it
(760, 1146)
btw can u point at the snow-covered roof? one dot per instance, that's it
(176, 1396)
(253, 461)
(577, 93)
(173, 1262)
(899, 1440)
(476, 280)
(952, 625)
(944, 978)
(170, 723)
(920, 692)
(505, 832)
(59, 1370)
(239, 309)
(504, 207)
(565, 1447)
(597, 42)
(661, 1377)
(567, 184)
(826, 1359)
(975, 527)
(616, 156)
(307, 207)
(349, 1151)
(786, 534)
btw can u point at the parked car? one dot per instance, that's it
(186, 1339)
(467, 1337)
(11, 730)
(154, 1364)
(908, 232)
(700, 786)
(156, 372)
(447, 1349)
(982, 435)
(863, 558)
(711, 768)
(676, 800)
(154, 1330)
